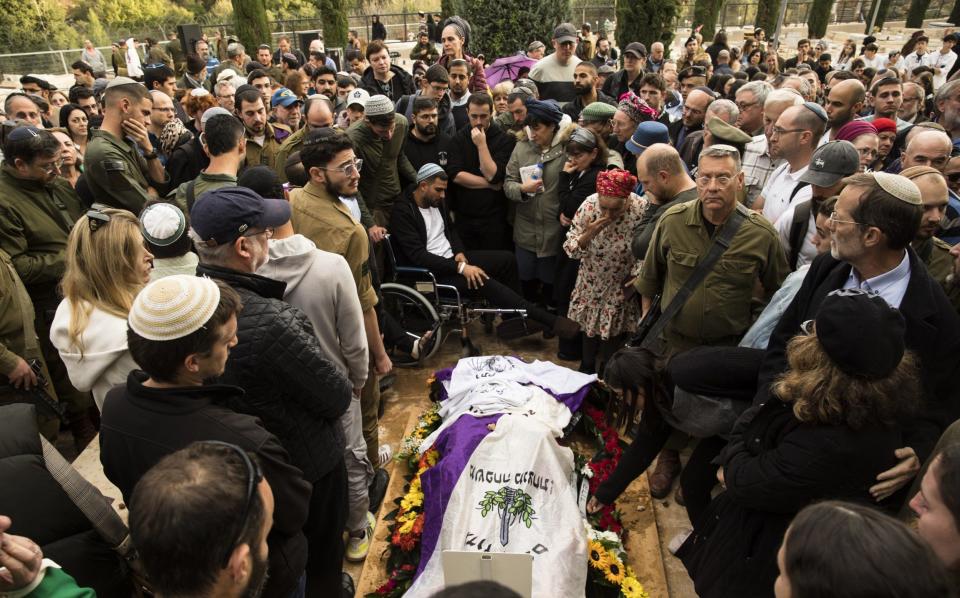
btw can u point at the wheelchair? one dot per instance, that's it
(418, 303)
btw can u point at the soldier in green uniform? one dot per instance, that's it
(263, 142)
(37, 211)
(934, 193)
(317, 113)
(19, 346)
(722, 308)
(224, 142)
(122, 167)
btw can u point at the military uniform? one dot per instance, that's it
(203, 183)
(720, 310)
(116, 173)
(290, 145)
(326, 221)
(935, 254)
(18, 340)
(383, 164)
(35, 220)
(265, 154)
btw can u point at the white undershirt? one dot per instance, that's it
(437, 242)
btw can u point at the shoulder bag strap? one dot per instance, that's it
(720, 245)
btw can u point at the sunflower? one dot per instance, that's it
(597, 555)
(614, 571)
(631, 588)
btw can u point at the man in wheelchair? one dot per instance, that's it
(423, 237)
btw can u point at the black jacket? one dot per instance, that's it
(419, 152)
(574, 108)
(378, 31)
(291, 386)
(186, 162)
(933, 334)
(479, 204)
(616, 84)
(141, 425)
(573, 191)
(43, 512)
(401, 83)
(410, 237)
(774, 469)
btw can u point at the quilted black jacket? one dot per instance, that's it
(290, 385)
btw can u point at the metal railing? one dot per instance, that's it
(744, 14)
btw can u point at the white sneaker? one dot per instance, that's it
(358, 547)
(384, 454)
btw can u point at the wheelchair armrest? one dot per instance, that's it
(411, 270)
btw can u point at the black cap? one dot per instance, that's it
(637, 49)
(860, 333)
(223, 215)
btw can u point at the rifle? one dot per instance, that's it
(38, 394)
(646, 324)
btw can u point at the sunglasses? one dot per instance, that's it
(254, 477)
(96, 217)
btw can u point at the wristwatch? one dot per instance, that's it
(150, 156)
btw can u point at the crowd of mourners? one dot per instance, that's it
(757, 250)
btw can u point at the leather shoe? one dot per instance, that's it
(378, 488)
(667, 470)
(347, 589)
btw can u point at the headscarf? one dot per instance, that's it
(462, 28)
(884, 125)
(170, 136)
(854, 129)
(635, 108)
(615, 183)
(544, 110)
(133, 59)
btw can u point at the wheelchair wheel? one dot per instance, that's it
(415, 314)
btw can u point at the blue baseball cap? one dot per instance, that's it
(223, 215)
(284, 97)
(646, 134)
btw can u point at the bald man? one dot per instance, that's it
(928, 148)
(934, 252)
(844, 103)
(758, 164)
(694, 113)
(793, 138)
(666, 183)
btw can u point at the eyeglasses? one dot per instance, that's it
(347, 169)
(53, 167)
(745, 106)
(267, 231)
(833, 219)
(254, 477)
(722, 179)
(781, 131)
(96, 217)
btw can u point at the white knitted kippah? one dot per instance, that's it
(173, 307)
(162, 224)
(899, 186)
(379, 105)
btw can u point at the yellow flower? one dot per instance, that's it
(407, 527)
(614, 571)
(631, 588)
(597, 555)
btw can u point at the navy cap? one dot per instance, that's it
(646, 134)
(223, 215)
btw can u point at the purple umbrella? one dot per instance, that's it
(507, 69)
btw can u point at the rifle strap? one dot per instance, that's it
(720, 244)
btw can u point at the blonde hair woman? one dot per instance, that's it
(107, 264)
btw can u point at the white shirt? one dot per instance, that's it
(776, 193)
(914, 60)
(353, 205)
(891, 285)
(877, 62)
(944, 62)
(808, 250)
(437, 242)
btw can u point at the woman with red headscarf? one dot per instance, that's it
(887, 136)
(600, 237)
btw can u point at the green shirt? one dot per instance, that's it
(116, 173)
(35, 220)
(16, 319)
(203, 183)
(720, 310)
